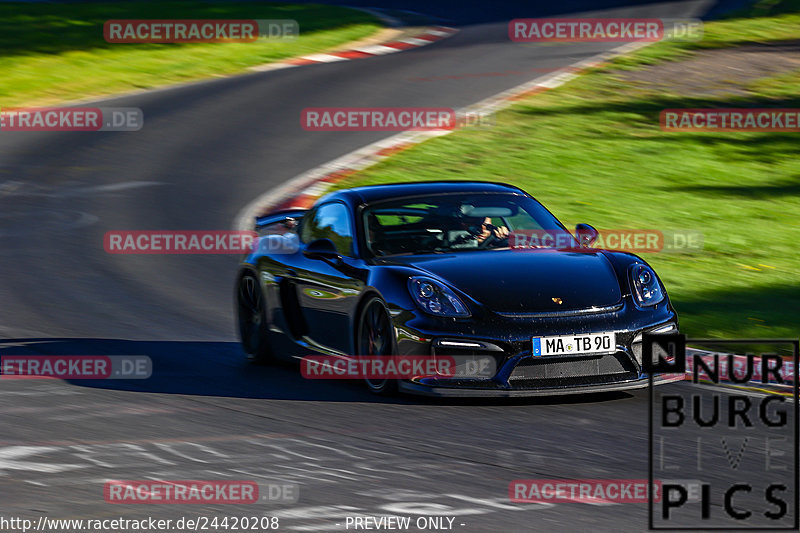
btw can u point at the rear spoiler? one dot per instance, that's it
(279, 216)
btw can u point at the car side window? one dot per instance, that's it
(330, 221)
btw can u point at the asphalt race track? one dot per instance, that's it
(206, 150)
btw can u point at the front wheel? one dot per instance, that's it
(375, 337)
(252, 314)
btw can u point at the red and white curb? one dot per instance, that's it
(425, 37)
(301, 191)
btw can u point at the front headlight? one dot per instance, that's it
(645, 287)
(435, 298)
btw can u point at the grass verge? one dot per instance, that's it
(592, 151)
(56, 52)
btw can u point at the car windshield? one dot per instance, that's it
(453, 223)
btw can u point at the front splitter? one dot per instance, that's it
(465, 392)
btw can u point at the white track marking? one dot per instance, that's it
(377, 49)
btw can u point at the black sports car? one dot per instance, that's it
(430, 269)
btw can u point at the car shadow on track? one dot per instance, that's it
(207, 368)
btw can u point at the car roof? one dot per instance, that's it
(372, 193)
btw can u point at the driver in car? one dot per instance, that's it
(487, 229)
(479, 232)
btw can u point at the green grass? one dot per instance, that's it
(592, 151)
(56, 52)
(767, 20)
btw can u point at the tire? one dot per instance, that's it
(252, 318)
(375, 336)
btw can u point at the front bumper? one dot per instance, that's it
(507, 343)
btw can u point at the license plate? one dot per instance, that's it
(575, 344)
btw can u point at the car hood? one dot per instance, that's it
(515, 281)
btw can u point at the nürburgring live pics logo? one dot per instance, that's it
(731, 450)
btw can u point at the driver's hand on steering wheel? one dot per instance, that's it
(488, 229)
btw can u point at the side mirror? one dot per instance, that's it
(322, 249)
(586, 235)
(289, 222)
